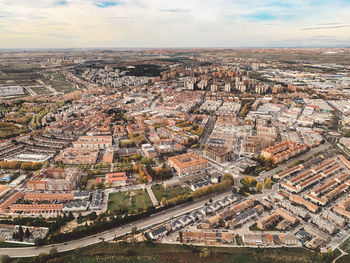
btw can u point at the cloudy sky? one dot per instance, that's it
(173, 23)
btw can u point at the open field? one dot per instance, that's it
(131, 201)
(159, 253)
(41, 90)
(346, 245)
(58, 82)
(19, 77)
(299, 55)
(160, 192)
(344, 259)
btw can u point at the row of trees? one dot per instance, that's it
(30, 166)
(249, 181)
(8, 130)
(102, 223)
(245, 109)
(21, 234)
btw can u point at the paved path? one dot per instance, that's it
(343, 253)
(31, 92)
(152, 196)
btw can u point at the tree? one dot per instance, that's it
(267, 183)
(20, 233)
(249, 181)
(46, 164)
(53, 251)
(42, 258)
(134, 230)
(227, 177)
(147, 161)
(259, 186)
(164, 201)
(205, 252)
(27, 233)
(39, 242)
(221, 222)
(101, 186)
(36, 166)
(5, 259)
(70, 216)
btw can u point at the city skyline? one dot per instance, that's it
(140, 23)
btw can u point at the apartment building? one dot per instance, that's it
(254, 144)
(36, 208)
(188, 164)
(148, 150)
(218, 154)
(283, 151)
(55, 179)
(36, 196)
(108, 156)
(9, 200)
(77, 156)
(93, 142)
(343, 208)
(301, 201)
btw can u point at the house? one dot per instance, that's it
(185, 220)
(206, 210)
(215, 206)
(176, 224)
(194, 215)
(158, 232)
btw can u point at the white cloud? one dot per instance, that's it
(158, 23)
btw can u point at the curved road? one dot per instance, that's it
(111, 234)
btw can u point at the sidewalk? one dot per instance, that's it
(152, 196)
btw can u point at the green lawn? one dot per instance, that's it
(8, 244)
(346, 245)
(41, 90)
(131, 201)
(160, 192)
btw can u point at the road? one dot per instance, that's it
(337, 116)
(31, 92)
(208, 129)
(111, 234)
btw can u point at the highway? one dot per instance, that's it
(111, 234)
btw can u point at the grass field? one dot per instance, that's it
(7, 244)
(131, 201)
(344, 259)
(59, 82)
(162, 253)
(346, 245)
(160, 192)
(41, 90)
